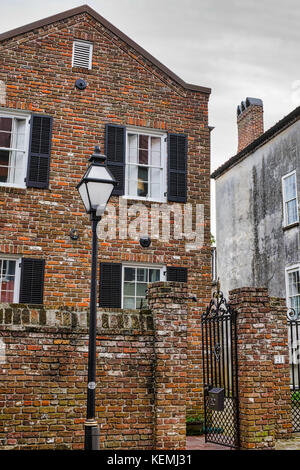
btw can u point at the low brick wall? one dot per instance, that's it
(43, 377)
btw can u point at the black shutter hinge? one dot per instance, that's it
(165, 139)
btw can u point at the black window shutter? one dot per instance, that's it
(177, 167)
(110, 285)
(176, 274)
(115, 148)
(39, 151)
(32, 281)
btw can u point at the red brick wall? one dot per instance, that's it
(125, 88)
(250, 125)
(141, 373)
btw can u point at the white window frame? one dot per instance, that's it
(17, 276)
(164, 160)
(284, 200)
(26, 116)
(162, 268)
(288, 270)
(90, 44)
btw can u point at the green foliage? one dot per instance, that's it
(195, 419)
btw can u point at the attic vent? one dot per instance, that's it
(82, 54)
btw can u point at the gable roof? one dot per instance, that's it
(262, 139)
(87, 9)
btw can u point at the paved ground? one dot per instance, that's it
(198, 443)
(290, 444)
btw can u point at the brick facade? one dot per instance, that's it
(123, 87)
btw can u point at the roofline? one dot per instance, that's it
(87, 9)
(261, 140)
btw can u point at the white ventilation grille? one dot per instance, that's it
(82, 54)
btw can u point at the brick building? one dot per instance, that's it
(152, 126)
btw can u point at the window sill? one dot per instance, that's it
(287, 227)
(12, 188)
(143, 199)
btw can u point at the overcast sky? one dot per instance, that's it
(238, 48)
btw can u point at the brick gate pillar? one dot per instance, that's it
(168, 303)
(263, 385)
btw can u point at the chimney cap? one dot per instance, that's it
(248, 102)
(255, 101)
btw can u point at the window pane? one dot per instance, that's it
(4, 162)
(129, 274)
(7, 280)
(143, 142)
(132, 155)
(290, 187)
(155, 144)
(291, 209)
(294, 283)
(155, 175)
(132, 180)
(155, 191)
(142, 275)
(142, 181)
(132, 141)
(129, 303)
(5, 138)
(143, 149)
(295, 303)
(132, 148)
(17, 172)
(141, 289)
(154, 275)
(129, 288)
(155, 159)
(143, 157)
(19, 134)
(140, 303)
(155, 151)
(5, 130)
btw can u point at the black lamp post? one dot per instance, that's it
(95, 189)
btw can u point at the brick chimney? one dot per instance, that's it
(250, 121)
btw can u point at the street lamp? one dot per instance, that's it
(95, 189)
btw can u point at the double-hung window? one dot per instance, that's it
(146, 157)
(290, 199)
(293, 288)
(14, 136)
(135, 281)
(9, 280)
(125, 285)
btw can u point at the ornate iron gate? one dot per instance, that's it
(294, 345)
(219, 353)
